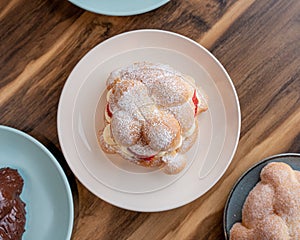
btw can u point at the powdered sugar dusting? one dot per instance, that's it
(125, 130)
(166, 85)
(272, 208)
(152, 110)
(174, 162)
(159, 136)
(257, 206)
(184, 114)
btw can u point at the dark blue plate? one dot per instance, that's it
(240, 191)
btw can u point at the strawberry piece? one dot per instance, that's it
(147, 158)
(109, 113)
(195, 101)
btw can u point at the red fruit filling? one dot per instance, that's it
(147, 158)
(195, 101)
(109, 113)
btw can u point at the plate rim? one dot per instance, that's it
(97, 10)
(57, 166)
(244, 174)
(86, 179)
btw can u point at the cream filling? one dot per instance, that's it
(107, 136)
(125, 151)
(108, 95)
(163, 153)
(179, 144)
(107, 118)
(190, 131)
(110, 141)
(201, 99)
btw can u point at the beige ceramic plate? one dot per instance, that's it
(80, 116)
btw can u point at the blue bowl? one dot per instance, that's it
(46, 191)
(119, 7)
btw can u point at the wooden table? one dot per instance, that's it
(257, 41)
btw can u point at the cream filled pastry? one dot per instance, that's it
(151, 115)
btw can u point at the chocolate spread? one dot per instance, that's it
(12, 208)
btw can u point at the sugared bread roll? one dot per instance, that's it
(272, 208)
(151, 115)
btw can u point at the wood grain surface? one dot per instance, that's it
(257, 41)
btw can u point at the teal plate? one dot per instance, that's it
(119, 7)
(46, 191)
